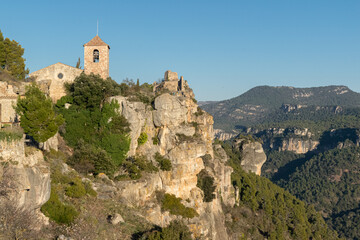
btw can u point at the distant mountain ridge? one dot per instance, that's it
(258, 102)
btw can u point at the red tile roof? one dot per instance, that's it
(96, 41)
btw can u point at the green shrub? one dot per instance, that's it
(164, 163)
(58, 211)
(206, 183)
(117, 146)
(135, 165)
(75, 189)
(184, 138)
(169, 202)
(90, 159)
(142, 138)
(155, 140)
(89, 190)
(176, 230)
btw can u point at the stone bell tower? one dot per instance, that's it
(96, 57)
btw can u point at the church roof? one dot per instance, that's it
(96, 41)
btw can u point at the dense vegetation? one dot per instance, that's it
(273, 212)
(171, 203)
(330, 181)
(93, 127)
(37, 116)
(206, 183)
(176, 230)
(11, 58)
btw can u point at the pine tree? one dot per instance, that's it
(11, 59)
(37, 115)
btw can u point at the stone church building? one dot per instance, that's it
(51, 79)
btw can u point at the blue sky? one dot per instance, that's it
(223, 48)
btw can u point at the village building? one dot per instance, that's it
(51, 79)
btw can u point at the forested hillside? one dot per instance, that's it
(331, 182)
(311, 138)
(261, 104)
(265, 210)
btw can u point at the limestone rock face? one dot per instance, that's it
(298, 145)
(185, 135)
(27, 176)
(253, 155)
(140, 118)
(222, 135)
(52, 143)
(169, 111)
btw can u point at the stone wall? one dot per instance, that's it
(171, 83)
(52, 78)
(8, 99)
(8, 114)
(102, 67)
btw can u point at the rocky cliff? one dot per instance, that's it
(296, 140)
(184, 134)
(24, 177)
(252, 154)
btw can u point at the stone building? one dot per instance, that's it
(51, 79)
(96, 57)
(8, 98)
(171, 83)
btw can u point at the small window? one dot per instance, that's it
(96, 55)
(60, 75)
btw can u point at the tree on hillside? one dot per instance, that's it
(90, 91)
(37, 115)
(11, 59)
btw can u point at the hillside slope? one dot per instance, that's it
(257, 103)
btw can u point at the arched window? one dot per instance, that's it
(96, 55)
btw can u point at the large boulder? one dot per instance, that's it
(169, 111)
(253, 155)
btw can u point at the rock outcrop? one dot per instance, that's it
(296, 140)
(223, 136)
(252, 155)
(185, 136)
(298, 145)
(25, 177)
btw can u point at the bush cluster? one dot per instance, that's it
(164, 163)
(93, 127)
(175, 230)
(206, 183)
(57, 210)
(88, 158)
(169, 202)
(155, 140)
(75, 189)
(134, 166)
(142, 138)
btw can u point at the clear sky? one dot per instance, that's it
(223, 48)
